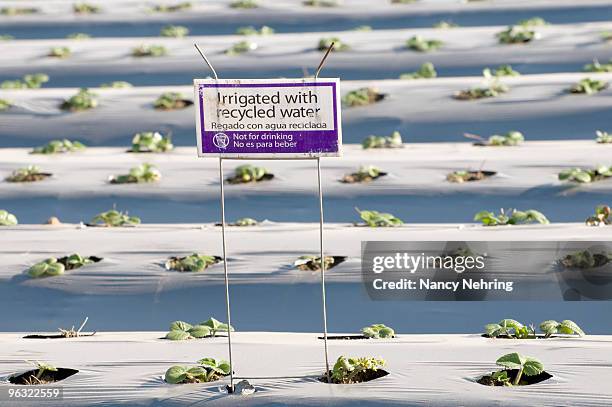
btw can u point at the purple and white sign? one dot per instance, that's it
(256, 118)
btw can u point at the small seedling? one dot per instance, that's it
(244, 174)
(41, 369)
(445, 24)
(243, 222)
(72, 333)
(500, 71)
(378, 331)
(585, 259)
(209, 370)
(171, 101)
(492, 88)
(596, 66)
(194, 262)
(174, 31)
(114, 218)
(513, 363)
(588, 86)
(17, 11)
(59, 52)
(511, 217)
(46, 268)
(4, 104)
(186, 5)
(151, 142)
(339, 45)
(364, 174)
(533, 22)
(30, 173)
(7, 218)
(511, 138)
(392, 141)
(180, 330)
(418, 43)
(59, 146)
(250, 30)
(149, 51)
(426, 71)
(603, 137)
(585, 175)
(241, 47)
(85, 8)
(517, 34)
(468, 176)
(33, 81)
(244, 4)
(142, 173)
(601, 218)
(78, 36)
(117, 85)
(375, 219)
(355, 370)
(362, 97)
(567, 327)
(510, 328)
(313, 263)
(82, 100)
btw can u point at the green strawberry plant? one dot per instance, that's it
(41, 376)
(596, 66)
(149, 51)
(502, 70)
(392, 141)
(82, 100)
(362, 97)
(339, 45)
(117, 85)
(375, 219)
(426, 71)
(512, 329)
(313, 263)
(17, 11)
(513, 364)
(244, 4)
(59, 146)
(174, 31)
(208, 370)
(354, 369)
(378, 331)
(585, 259)
(511, 138)
(171, 8)
(30, 173)
(585, 175)
(418, 43)
(492, 88)
(85, 8)
(601, 218)
(195, 262)
(151, 142)
(365, 173)
(46, 268)
(32, 81)
(181, 330)
(241, 47)
(462, 176)
(142, 173)
(114, 218)
(247, 173)
(510, 217)
(59, 52)
(517, 34)
(251, 30)
(75, 261)
(588, 86)
(243, 222)
(321, 3)
(603, 137)
(567, 327)
(7, 218)
(171, 101)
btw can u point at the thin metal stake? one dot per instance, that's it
(206, 60)
(323, 300)
(227, 298)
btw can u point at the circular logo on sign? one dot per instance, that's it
(221, 140)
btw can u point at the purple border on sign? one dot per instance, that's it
(307, 141)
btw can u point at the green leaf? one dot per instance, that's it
(176, 374)
(180, 325)
(493, 330)
(178, 335)
(200, 331)
(570, 327)
(549, 327)
(511, 361)
(532, 366)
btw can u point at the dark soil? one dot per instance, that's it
(471, 176)
(488, 380)
(344, 337)
(34, 177)
(238, 180)
(310, 266)
(175, 261)
(180, 104)
(28, 378)
(600, 260)
(64, 261)
(53, 336)
(365, 376)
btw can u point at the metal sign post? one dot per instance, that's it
(221, 141)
